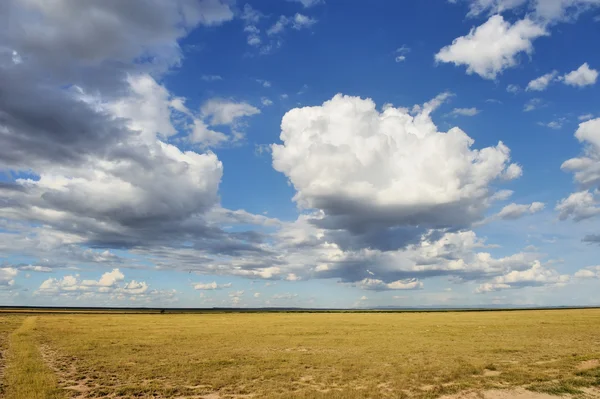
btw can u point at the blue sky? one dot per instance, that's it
(300, 153)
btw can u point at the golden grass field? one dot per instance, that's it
(301, 355)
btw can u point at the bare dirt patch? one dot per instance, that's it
(68, 377)
(589, 364)
(491, 373)
(519, 393)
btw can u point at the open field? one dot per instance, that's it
(301, 355)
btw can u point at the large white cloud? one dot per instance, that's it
(386, 176)
(492, 47)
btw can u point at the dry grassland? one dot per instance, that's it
(496, 354)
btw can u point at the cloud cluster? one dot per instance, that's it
(106, 157)
(543, 11)
(110, 286)
(298, 22)
(583, 76)
(495, 45)
(584, 204)
(273, 39)
(536, 275)
(90, 136)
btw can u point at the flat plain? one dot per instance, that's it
(495, 354)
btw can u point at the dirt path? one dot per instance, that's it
(27, 376)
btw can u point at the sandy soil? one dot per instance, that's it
(519, 393)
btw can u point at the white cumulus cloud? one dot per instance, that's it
(373, 173)
(582, 76)
(541, 83)
(492, 47)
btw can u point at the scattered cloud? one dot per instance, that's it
(463, 112)
(492, 47)
(211, 286)
(512, 88)
(378, 285)
(301, 21)
(265, 101)
(401, 53)
(309, 3)
(251, 18)
(541, 83)
(263, 83)
(36, 268)
(225, 112)
(284, 296)
(303, 89)
(211, 78)
(279, 26)
(585, 117)
(515, 211)
(297, 22)
(582, 76)
(533, 104)
(578, 206)
(556, 124)
(491, 7)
